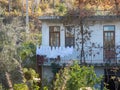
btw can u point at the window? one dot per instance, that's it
(69, 36)
(109, 42)
(54, 36)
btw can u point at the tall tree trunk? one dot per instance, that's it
(27, 18)
(53, 3)
(9, 82)
(34, 5)
(116, 6)
(82, 59)
(21, 72)
(9, 5)
(22, 8)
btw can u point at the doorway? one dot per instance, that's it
(109, 43)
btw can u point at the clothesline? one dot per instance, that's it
(53, 52)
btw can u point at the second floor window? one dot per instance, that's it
(69, 36)
(109, 42)
(54, 36)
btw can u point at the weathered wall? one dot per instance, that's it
(97, 36)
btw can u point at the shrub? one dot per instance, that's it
(21, 86)
(76, 77)
(30, 73)
(0, 86)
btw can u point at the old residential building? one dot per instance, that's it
(61, 44)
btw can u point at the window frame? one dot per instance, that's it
(70, 37)
(111, 50)
(51, 31)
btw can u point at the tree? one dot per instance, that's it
(76, 77)
(77, 16)
(9, 2)
(10, 41)
(83, 10)
(60, 9)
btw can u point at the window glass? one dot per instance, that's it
(69, 36)
(109, 42)
(54, 36)
(109, 28)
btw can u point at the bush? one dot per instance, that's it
(0, 86)
(45, 88)
(21, 86)
(30, 73)
(76, 77)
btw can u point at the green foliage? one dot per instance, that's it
(47, 84)
(17, 76)
(1, 11)
(36, 87)
(32, 85)
(45, 88)
(10, 35)
(27, 50)
(82, 77)
(61, 9)
(61, 79)
(76, 77)
(41, 8)
(1, 40)
(21, 86)
(55, 68)
(0, 86)
(30, 73)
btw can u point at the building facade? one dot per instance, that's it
(62, 44)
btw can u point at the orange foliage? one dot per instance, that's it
(92, 5)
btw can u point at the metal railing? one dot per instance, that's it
(67, 55)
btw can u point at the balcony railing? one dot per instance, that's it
(67, 55)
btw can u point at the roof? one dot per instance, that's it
(99, 17)
(49, 17)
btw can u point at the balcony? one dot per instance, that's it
(67, 55)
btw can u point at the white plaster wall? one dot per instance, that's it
(97, 36)
(62, 36)
(45, 34)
